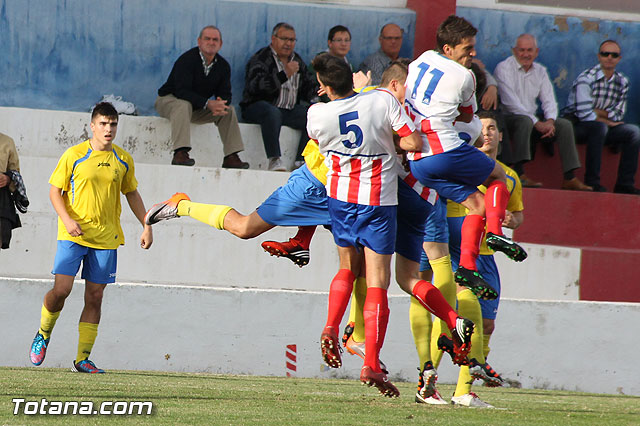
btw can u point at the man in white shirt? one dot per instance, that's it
(521, 84)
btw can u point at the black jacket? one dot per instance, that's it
(187, 80)
(262, 79)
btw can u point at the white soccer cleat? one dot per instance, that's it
(470, 400)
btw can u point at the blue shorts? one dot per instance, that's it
(485, 263)
(98, 266)
(356, 225)
(437, 230)
(301, 201)
(454, 174)
(413, 211)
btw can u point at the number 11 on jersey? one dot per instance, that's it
(436, 74)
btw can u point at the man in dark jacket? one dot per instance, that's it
(198, 90)
(276, 81)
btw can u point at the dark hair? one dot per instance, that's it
(104, 109)
(453, 30)
(333, 72)
(337, 29)
(281, 25)
(609, 41)
(488, 114)
(397, 70)
(481, 79)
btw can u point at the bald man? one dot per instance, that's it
(390, 43)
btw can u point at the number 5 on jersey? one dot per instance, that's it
(346, 128)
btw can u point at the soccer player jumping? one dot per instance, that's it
(440, 91)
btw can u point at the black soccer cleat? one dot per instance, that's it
(474, 281)
(485, 372)
(445, 344)
(507, 246)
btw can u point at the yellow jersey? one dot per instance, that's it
(91, 182)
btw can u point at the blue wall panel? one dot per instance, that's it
(66, 54)
(568, 46)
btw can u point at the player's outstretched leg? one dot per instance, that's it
(485, 372)
(379, 380)
(474, 281)
(165, 210)
(427, 392)
(507, 246)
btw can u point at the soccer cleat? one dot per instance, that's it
(38, 349)
(357, 348)
(461, 336)
(485, 372)
(474, 281)
(165, 210)
(291, 249)
(330, 348)
(348, 331)
(470, 400)
(445, 344)
(507, 246)
(86, 366)
(379, 380)
(427, 392)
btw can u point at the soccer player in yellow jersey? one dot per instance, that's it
(481, 312)
(85, 193)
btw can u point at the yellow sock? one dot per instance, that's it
(87, 337)
(443, 280)
(211, 214)
(357, 304)
(47, 321)
(485, 346)
(469, 307)
(464, 381)
(420, 320)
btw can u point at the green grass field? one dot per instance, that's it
(185, 398)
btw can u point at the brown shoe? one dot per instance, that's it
(575, 185)
(232, 161)
(181, 158)
(528, 183)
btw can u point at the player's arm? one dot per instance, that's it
(72, 227)
(466, 114)
(137, 207)
(412, 142)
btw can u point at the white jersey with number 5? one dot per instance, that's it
(438, 89)
(355, 135)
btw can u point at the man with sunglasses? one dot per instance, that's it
(522, 82)
(597, 104)
(277, 91)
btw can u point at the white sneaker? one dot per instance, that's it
(470, 400)
(434, 399)
(275, 165)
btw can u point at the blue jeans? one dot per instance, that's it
(597, 134)
(271, 119)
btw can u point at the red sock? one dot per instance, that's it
(304, 235)
(376, 317)
(495, 201)
(431, 298)
(339, 294)
(472, 230)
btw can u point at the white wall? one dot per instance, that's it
(573, 346)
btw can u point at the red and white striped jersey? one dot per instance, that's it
(428, 194)
(355, 135)
(438, 88)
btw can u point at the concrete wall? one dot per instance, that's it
(568, 45)
(66, 54)
(541, 345)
